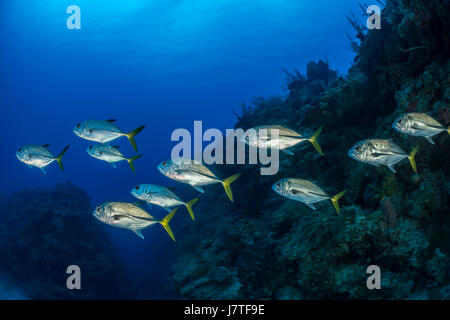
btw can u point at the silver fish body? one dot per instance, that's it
(300, 190)
(111, 154)
(279, 138)
(418, 125)
(106, 153)
(98, 130)
(104, 131)
(124, 215)
(380, 152)
(158, 195)
(131, 216)
(39, 156)
(36, 156)
(188, 171)
(272, 136)
(305, 191)
(195, 174)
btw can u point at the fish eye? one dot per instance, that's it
(20, 150)
(90, 148)
(98, 209)
(164, 164)
(137, 188)
(78, 126)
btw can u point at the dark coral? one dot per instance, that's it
(43, 231)
(267, 247)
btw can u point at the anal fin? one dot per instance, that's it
(392, 168)
(287, 151)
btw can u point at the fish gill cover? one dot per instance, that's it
(266, 247)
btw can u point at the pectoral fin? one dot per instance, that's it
(113, 164)
(311, 206)
(429, 139)
(138, 233)
(287, 151)
(199, 189)
(392, 168)
(43, 170)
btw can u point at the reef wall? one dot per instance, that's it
(267, 247)
(43, 231)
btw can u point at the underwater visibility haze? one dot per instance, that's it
(362, 125)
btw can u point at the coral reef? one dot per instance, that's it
(266, 247)
(43, 231)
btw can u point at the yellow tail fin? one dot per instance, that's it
(411, 158)
(132, 134)
(165, 223)
(335, 199)
(130, 162)
(226, 184)
(189, 207)
(59, 158)
(314, 142)
(448, 129)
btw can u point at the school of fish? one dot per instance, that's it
(132, 216)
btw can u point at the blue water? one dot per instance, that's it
(159, 63)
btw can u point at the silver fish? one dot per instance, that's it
(39, 156)
(382, 152)
(104, 131)
(262, 137)
(161, 196)
(110, 154)
(306, 192)
(195, 174)
(419, 125)
(131, 216)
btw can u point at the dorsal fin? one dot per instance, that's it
(111, 120)
(45, 146)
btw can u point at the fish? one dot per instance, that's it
(419, 125)
(39, 156)
(161, 196)
(131, 216)
(110, 154)
(260, 137)
(104, 131)
(382, 152)
(306, 192)
(195, 174)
